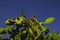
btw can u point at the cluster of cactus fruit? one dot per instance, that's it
(33, 29)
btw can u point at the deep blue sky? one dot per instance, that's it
(42, 9)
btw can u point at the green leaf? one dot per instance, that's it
(18, 21)
(24, 31)
(34, 26)
(17, 37)
(1, 35)
(23, 36)
(42, 27)
(49, 20)
(1, 30)
(8, 28)
(36, 20)
(53, 36)
(57, 37)
(30, 38)
(38, 34)
(7, 21)
(30, 30)
(41, 23)
(11, 38)
(22, 18)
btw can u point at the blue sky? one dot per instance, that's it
(42, 9)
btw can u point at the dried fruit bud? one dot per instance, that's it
(24, 22)
(24, 25)
(32, 18)
(14, 23)
(6, 23)
(10, 21)
(17, 18)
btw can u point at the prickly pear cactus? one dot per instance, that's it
(33, 29)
